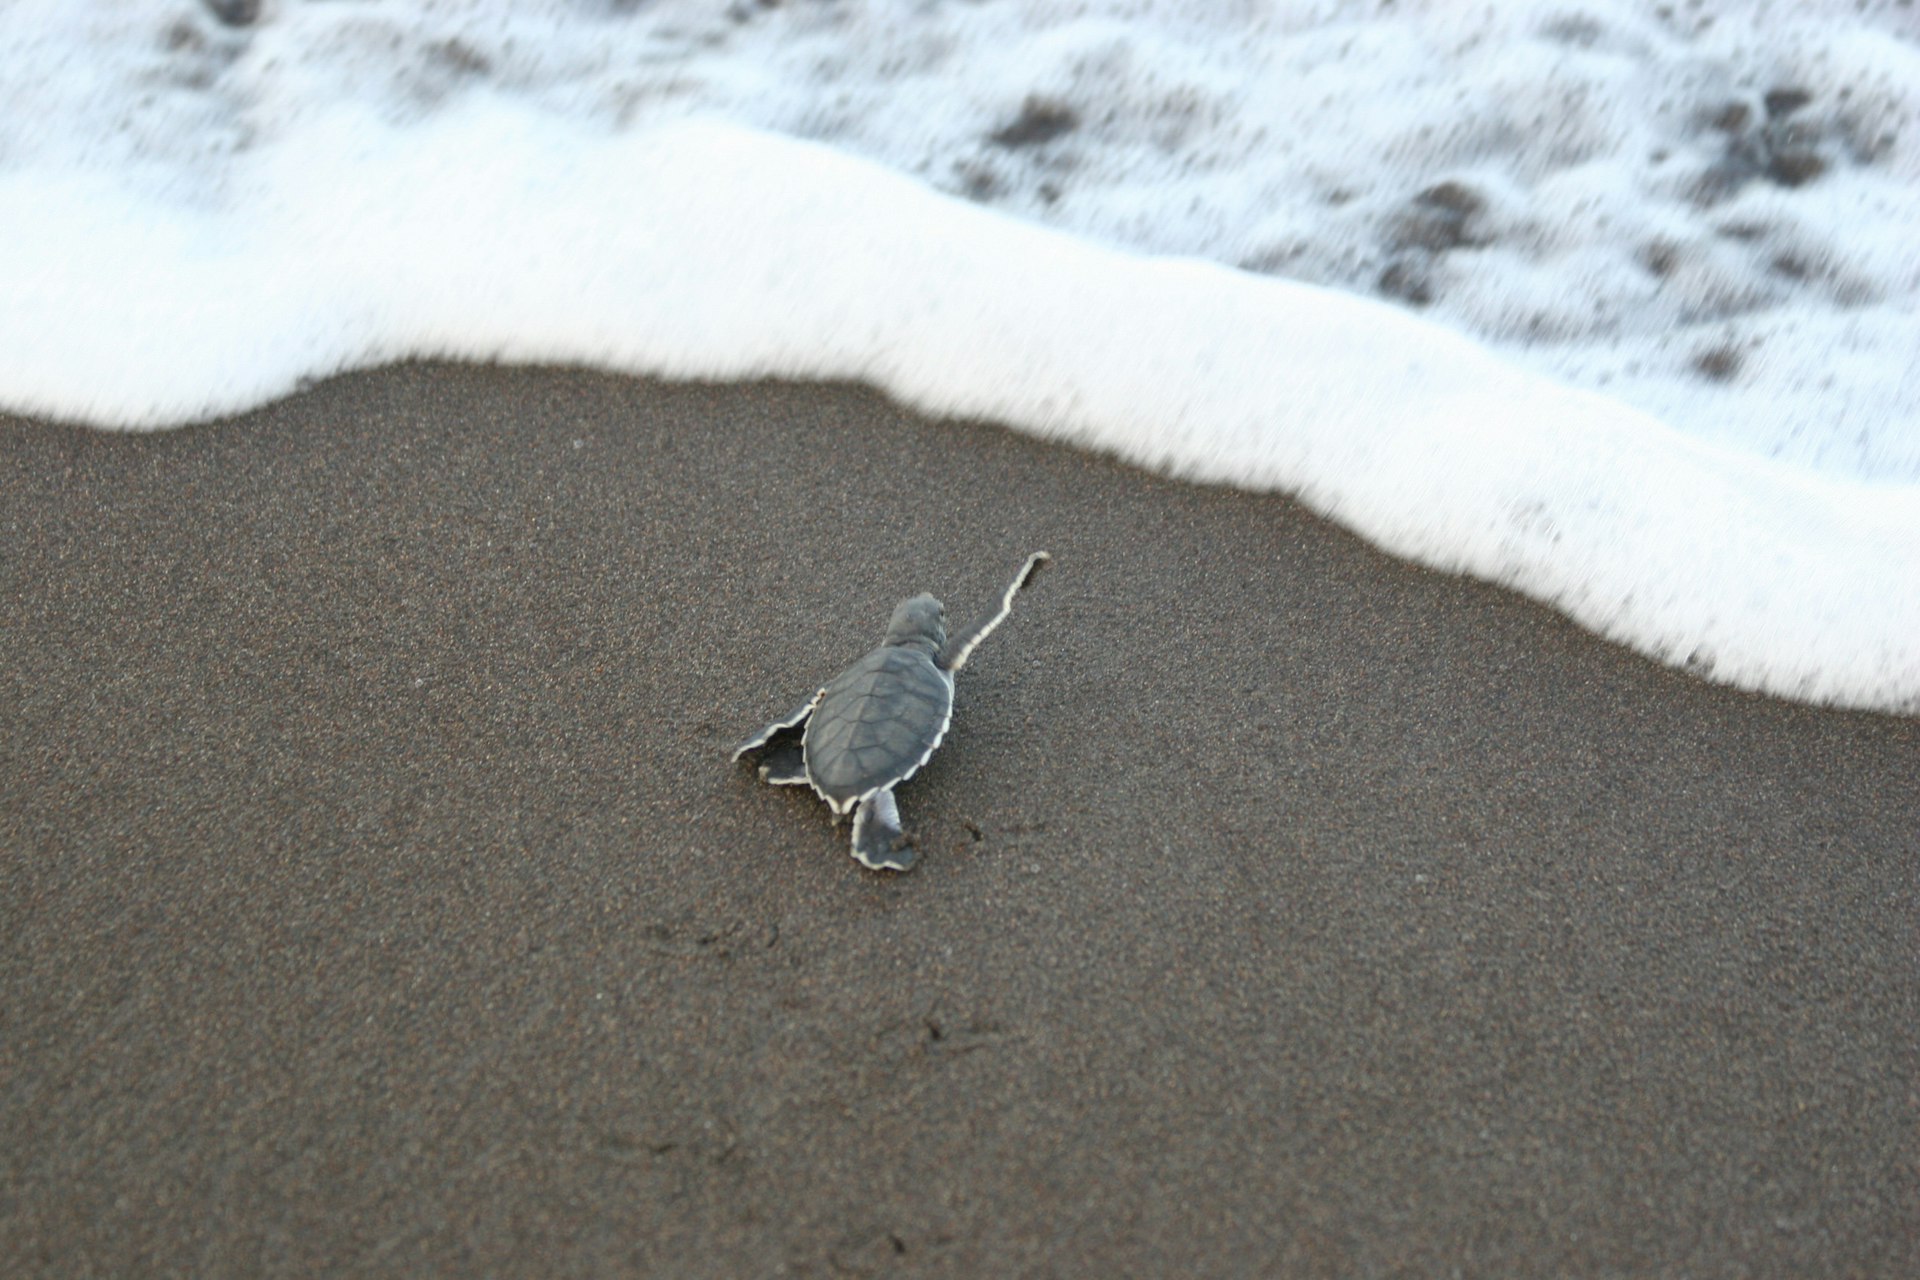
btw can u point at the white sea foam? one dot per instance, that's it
(197, 219)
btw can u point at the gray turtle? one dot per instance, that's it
(873, 725)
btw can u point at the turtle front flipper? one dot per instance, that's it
(953, 655)
(877, 842)
(784, 764)
(778, 727)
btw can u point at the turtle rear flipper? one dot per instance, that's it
(954, 654)
(877, 842)
(778, 727)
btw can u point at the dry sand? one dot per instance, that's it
(379, 897)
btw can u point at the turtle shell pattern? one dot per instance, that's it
(877, 723)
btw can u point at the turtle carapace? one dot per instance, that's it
(872, 726)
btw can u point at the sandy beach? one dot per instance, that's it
(380, 899)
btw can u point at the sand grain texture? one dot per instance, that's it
(379, 897)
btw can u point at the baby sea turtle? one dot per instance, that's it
(873, 725)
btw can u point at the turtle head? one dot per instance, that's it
(920, 622)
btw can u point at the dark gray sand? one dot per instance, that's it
(379, 897)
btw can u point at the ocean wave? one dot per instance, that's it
(701, 249)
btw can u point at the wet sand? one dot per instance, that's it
(379, 897)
